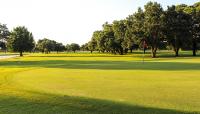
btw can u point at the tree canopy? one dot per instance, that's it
(177, 27)
(21, 40)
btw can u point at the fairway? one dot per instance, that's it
(99, 84)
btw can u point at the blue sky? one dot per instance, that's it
(69, 21)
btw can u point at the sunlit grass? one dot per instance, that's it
(100, 83)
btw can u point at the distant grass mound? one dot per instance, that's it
(84, 83)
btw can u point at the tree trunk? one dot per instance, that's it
(91, 51)
(194, 48)
(21, 54)
(144, 51)
(194, 52)
(126, 51)
(176, 47)
(176, 52)
(154, 52)
(5, 51)
(121, 51)
(131, 50)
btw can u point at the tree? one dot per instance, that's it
(46, 45)
(68, 48)
(197, 6)
(109, 38)
(129, 36)
(39, 45)
(119, 29)
(153, 25)
(75, 47)
(92, 46)
(178, 26)
(99, 38)
(194, 12)
(84, 47)
(59, 47)
(2, 45)
(4, 32)
(196, 27)
(21, 40)
(181, 7)
(137, 27)
(4, 35)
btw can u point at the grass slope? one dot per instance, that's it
(99, 83)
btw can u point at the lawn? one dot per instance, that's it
(86, 83)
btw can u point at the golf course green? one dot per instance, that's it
(84, 83)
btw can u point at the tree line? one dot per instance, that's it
(46, 46)
(177, 27)
(21, 40)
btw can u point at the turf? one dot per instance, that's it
(100, 84)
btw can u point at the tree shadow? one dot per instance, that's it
(102, 65)
(160, 54)
(61, 104)
(180, 56)
(82, 56)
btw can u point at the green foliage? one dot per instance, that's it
(4, 32)
(4, 35)
(2, 45)
(99, 37)
(75, 47)
(130, 38)
(84, 47)
(21, 40)
(119, 29)
(197, 6)
(137, 28)
(180, 7)
(59, 47)
(109, 38)
(46, 46)
(91, 46)
(153, 22)
(177, 27)
(68, 47)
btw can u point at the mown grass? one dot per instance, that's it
(100, 83)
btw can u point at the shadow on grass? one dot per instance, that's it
(161, 54)
(180, 56)
(102, 65)
(82, 56)
(57, 104)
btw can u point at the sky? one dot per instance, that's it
(70, 21)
